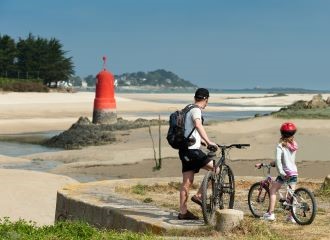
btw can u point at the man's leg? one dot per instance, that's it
(208, 167)
(187, 181)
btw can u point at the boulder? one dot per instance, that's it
(326, 183)
(328, 101)
(317, 102)
(227, 219)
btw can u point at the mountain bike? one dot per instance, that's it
(218, 187)
(300, 202)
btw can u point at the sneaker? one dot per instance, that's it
(290, 219)
(187, 216)
(269, 216)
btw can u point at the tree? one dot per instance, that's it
(45, 59)
(90, 80)
(8, 54)
(59, 68)
(29, 56)
(75, 81)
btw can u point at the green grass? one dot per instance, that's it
(63, 230)
(22, 85)
(139, 189)
(24, 230)
(255, 230)
(317, 113)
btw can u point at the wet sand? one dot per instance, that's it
(171, 167)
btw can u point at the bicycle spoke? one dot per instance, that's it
(226, 188)
(258, 200)
(303, 206)
(209, 200)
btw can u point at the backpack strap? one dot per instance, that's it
(185, 111)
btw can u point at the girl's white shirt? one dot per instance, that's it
(285, 161)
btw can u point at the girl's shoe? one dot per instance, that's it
(269, 217)
(290, 219)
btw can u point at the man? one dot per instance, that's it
(192, 158)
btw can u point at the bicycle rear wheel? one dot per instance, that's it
(258, 199)
(304, 207)
(227, 188)
(209, 199)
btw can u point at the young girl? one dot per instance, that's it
(285, 163)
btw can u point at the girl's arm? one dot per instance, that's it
(278, 162)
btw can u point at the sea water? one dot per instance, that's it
(15, 149)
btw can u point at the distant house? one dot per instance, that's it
(83, 84)
(64, 84)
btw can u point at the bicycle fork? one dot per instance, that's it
(263, 185)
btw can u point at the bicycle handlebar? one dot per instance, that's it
(234, 145)
(214, 148)
(265, 165)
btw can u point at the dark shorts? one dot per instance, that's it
(193, 159)
(291, 180)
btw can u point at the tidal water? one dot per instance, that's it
(15, 149)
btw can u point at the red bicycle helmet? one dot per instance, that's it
(288, 129)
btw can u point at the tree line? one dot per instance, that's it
(34, 58)
(160, 77)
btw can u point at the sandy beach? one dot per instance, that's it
(132, 154)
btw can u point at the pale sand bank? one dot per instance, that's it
(30, 195)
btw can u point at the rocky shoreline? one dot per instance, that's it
(84, 133)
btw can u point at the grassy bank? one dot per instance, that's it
(22, 85)
(63, 230)
(317, 113)
(79, 230)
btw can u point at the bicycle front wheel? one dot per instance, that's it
(258, 199)
(227, 188)
(209, 199)
(303, 206)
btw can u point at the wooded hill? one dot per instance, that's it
(158, 78)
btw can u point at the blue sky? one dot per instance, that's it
(212, 43)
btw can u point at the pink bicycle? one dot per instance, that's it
(301, 202)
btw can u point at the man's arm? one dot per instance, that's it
(200, 128)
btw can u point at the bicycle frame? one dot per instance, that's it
(267, 182)
(222, 159)
(222, 182)
(300, 201)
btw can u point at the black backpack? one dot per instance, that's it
(175, 134)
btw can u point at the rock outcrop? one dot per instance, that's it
(85, 133)
(317, 102)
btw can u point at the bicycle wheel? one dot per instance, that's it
(209, 198)
(304, 206)
(258, 200)
(227, 188)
